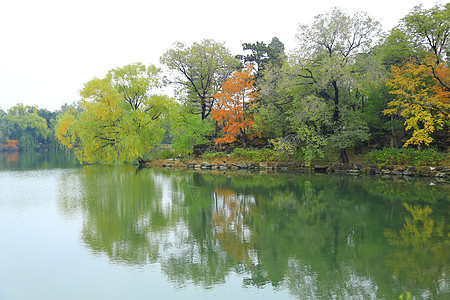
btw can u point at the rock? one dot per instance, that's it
(206, 165)
(263, 165)
(340, 171)
(407, 173)
(335, 165)
(440, 175)
(353, 171)
(320, 169)
(253, 166)
(358, 166)
(242, 166)
(396, 172)
(169, 163)
(423, 171)
(372, 169)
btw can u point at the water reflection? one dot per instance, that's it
(421, 251)
(318, 236)
(35, 160)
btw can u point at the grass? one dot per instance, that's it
(406, 156)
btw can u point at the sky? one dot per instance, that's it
(50, 48)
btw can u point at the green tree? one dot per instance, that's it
(395, 49)
(200, 71)
(186, 129)
(263, 56)
(330, 66)
(119, 117)
(329, 61)
(312, 115)
(429, 29)
(329, 48)
(22, 123)
(277, 92)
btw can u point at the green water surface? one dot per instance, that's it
(119, 232)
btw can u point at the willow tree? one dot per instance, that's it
(22, 123)
(119, 120)
(200, 70)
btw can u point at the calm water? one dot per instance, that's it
(109, 232)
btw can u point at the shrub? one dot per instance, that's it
(214, 155)
(163, 152)
(258, 155)
(406, 156)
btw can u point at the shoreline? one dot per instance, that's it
(355, 169)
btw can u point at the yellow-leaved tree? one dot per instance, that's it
(422, 98)
(119, 119)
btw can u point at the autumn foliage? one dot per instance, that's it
(233, 108)
(11, 145)
(422, 98)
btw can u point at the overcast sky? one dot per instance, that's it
(50, 48)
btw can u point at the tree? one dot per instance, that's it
(201, 68)
(119, 117)
(312, 115)
(233, 107)
(11, 145)
(262, 56)
(327, 65)
(421, 100)
(186, 129)
(396, 49)
(330, 47)
(429, 29)
(22, 123)
(421, 86)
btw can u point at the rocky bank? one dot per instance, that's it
(350, 168)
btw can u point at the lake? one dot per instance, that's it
(119, 232)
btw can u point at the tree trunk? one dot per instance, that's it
(203, 109)
(336, 101)
(344, 156)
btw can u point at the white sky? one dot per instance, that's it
(50, 48)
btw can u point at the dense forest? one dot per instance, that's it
(347, 88)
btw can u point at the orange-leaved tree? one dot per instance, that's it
(11, 145)
(422, 98)
(233, 110)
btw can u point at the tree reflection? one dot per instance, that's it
(320, 237)
(230, 211)
(421, 251)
